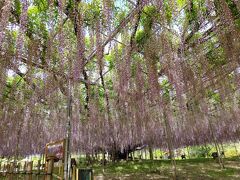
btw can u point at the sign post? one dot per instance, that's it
(54, 152)
(55, 149)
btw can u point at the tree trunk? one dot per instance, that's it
(188, 152)
(169, 142)
(236, 150)
(151, 152)
(220, 160)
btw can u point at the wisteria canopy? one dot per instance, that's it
(156, 72)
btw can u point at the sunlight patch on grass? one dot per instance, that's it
(119, 168)
(135, 167)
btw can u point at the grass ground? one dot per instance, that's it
(200, 168)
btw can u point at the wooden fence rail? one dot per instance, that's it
(13, 171)
(27, 171)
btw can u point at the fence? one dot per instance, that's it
(47, 171)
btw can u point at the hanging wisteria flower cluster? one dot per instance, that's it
(155, 72)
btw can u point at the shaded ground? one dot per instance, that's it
(161, 169)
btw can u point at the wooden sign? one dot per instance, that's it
(56, 150)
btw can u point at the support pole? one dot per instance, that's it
(50, 166)
(74, 175)
(67, 158)
(18, 170)
(38, 168)
(29, 170)
(11, 169)
(25, 167)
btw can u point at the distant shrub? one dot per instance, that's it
(200, 151)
